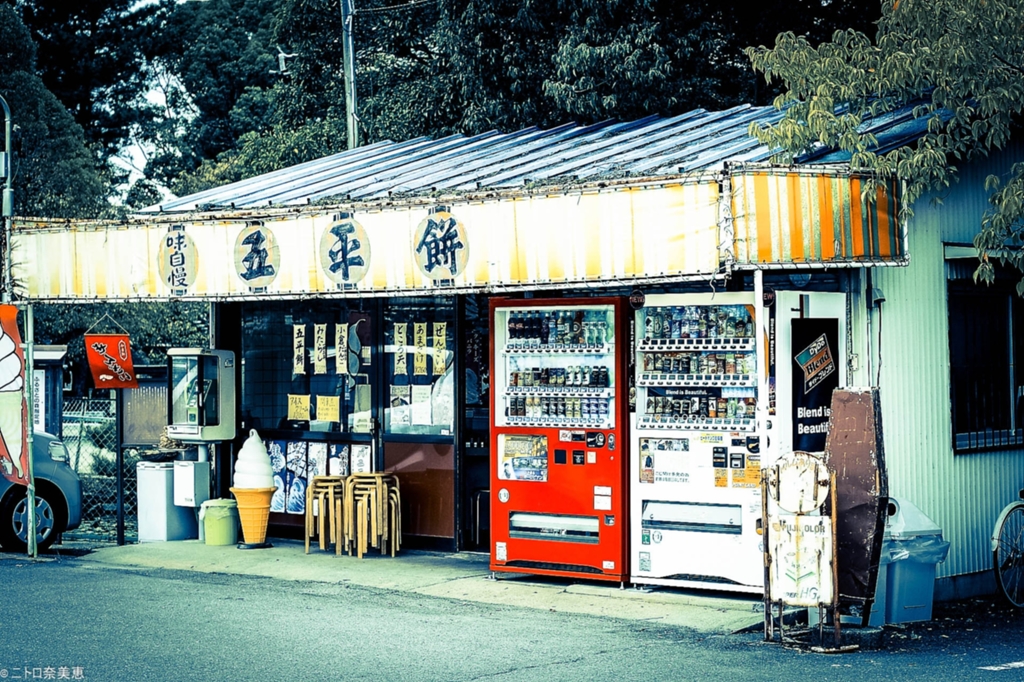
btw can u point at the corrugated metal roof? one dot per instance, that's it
(649, 147)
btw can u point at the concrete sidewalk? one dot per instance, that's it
(452, 576)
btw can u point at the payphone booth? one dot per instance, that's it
(201, 410)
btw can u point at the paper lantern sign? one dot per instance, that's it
(257, 256)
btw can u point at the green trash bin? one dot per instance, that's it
(220, 521)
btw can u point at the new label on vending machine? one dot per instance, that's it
(558, 427)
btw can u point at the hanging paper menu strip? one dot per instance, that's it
(341, 348)
(298, 407)
(401, 352)
(440, 347)
(328, 408)
(419, 340)
(298, 349)
(319, 349)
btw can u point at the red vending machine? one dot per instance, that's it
(558, 438)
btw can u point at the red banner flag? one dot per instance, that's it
(110, 360)
(13, 410)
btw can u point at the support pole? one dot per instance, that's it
(349, 61)
(30, 498)
(7, 166)
(119, 460)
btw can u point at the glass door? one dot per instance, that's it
(418, 396)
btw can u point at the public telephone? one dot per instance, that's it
(201, 387)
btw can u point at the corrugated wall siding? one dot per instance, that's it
(962, 493)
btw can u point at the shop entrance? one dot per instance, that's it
(309, 388)
(349, 385)
(419, 415)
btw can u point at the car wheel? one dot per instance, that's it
(14, 520)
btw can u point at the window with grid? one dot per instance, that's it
(986, 352)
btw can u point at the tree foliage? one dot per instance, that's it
(91, 57)
(54, 174)
(958, 63)
(469, 66)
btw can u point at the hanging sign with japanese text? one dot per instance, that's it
(344, 251)
(13, 411)
(298, 349)
(441, 246)
(440, 351)
(401, 351)
(257, 256)
(419, 341)
(341, 348)
(179, 261)
(110, 360)
(319, 349)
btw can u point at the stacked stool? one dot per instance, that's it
(372, 513)
(328, 492)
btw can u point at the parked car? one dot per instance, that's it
(58, 498)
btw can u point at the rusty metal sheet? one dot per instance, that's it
(853, 450)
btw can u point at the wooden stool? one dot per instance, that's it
(372, 513)
(326, 492)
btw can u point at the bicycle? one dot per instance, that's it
(1008, 551)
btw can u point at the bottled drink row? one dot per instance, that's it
(556, 377)
(699, 363)
(537, 329)
(708, 407)
(698, 322)
(588, 410)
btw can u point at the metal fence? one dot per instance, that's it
(90, 434)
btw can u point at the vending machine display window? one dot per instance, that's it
(698, 367)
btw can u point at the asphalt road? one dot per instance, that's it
(59, 619)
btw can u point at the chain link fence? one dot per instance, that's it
(90, 434)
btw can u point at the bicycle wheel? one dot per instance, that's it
(1008, 553)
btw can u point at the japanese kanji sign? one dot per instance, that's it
(345, 251)
(257, 256)
(13, 411)
(441, 247)
(298, 349)
(110, 360)
(179, 261)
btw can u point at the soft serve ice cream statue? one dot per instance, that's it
(252, 469)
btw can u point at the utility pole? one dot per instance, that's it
(349, 59)
(7, 168)
(6, 297)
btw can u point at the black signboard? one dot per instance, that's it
(815, 348)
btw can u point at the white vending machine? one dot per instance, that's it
(697, 442)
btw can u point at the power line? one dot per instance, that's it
(389, 8)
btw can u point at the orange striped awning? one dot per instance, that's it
(813, 216)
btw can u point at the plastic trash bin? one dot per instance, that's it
(220, 521)
(911, 549)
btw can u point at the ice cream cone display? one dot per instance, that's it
(253, 512)
(253, 488)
